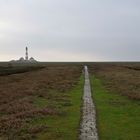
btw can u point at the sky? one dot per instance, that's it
(74, 30)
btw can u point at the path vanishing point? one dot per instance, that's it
(88, 130)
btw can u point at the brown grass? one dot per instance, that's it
(124, 78)
(18, 91)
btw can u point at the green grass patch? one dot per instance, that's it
(118, 118)
(40, 102)
(63, 126)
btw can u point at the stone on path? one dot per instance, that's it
(88, 130)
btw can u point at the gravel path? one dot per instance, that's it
(88, 129)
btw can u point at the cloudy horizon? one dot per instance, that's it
(76, 30)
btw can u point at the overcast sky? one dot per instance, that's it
(70, 30)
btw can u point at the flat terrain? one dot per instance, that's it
(38, 104)
(124, 78)
(116, 93)
(42, 101)
(88, 127)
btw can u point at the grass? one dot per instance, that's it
(117, 116)
(116, 77)
(18, 69)
(40, 102)
(65, 125)
(37, 96)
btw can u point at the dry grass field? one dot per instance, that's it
(124, 78)
(33, 94)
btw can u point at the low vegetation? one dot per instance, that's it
(117, 116)
(31, 103)
(124, 78)
(10, 69)
(42, 101)
(64, 126)
(116, 93)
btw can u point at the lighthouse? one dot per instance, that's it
(26, 59)
(26, 54)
